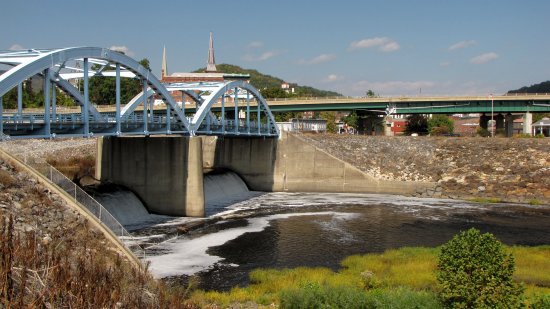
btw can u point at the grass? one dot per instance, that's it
(401, 278)
(486, 200)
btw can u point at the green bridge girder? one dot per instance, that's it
(501, 104)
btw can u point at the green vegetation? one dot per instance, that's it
(402, 278)
(416, 123)
(440, 125)
(270, 86)
(485, 200)
(352, 120)
(474, 271)
(33, 99)
(103, 89)
(543, 87)
(330, 117)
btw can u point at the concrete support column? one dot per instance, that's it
(194, 199)
(527, 123)
(484, 121)
(499, 124)
(509, 125)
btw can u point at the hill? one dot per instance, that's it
(270, 86)
(543, 87)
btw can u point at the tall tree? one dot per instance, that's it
(330, 117)
(416, 123)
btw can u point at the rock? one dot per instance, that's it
(481, 188)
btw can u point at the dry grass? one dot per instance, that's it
(71, 273)
(50, 257)
(75, 167)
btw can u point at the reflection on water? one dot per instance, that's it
(291, 230)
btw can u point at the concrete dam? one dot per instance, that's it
(168, 173)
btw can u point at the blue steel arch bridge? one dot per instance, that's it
(59, 68)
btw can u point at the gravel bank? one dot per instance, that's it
(516, 170)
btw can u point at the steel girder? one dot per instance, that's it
(31, 62)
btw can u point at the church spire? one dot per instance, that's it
(164, 69)
(211, 63)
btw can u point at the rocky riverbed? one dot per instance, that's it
(516, 169)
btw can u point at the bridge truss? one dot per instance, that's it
(152, 111)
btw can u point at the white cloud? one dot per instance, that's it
(333, 78)
(262, 57)
(123, 49)
(484, 58)
(384, 44)
(16, 47)
(462, 44)
(319, 59)
(393, 87)
(255, 44)
(445, 63)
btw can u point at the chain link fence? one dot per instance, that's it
(94, 207)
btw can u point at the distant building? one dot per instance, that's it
(397, 125)
(303, 125)
(210, 75)
(286, 87)
(542, 127)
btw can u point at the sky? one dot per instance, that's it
(393, 47)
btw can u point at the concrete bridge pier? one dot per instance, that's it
(527, 123)
(499, 127)
(164, 172)
(509, 122)
(484, 121)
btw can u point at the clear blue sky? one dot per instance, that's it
(393, 47)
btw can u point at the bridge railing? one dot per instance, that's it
(94, 207)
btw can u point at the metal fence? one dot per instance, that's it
(94, 207)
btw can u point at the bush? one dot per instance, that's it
(438, 131)
(483, 132)
(473, 271)
(313, 295)
(541, 302)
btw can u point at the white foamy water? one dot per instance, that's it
(128, 209)
(187, 256)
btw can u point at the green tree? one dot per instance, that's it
(539, 116)
(330, 117)
(273, 92)
(416, 123)
(371, 94)
(102, 90)
(286, 116)
(439, 124)
(474, 271)
(352, 120)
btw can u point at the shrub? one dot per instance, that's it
(541, 302)
(474, 271)
(438, 131)
(313, 295)
(483, 132)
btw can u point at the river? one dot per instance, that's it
(285, 230)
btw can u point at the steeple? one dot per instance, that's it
(164, 69)
(211, 63)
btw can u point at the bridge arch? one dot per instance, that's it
(49, 63)
(220, 92)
